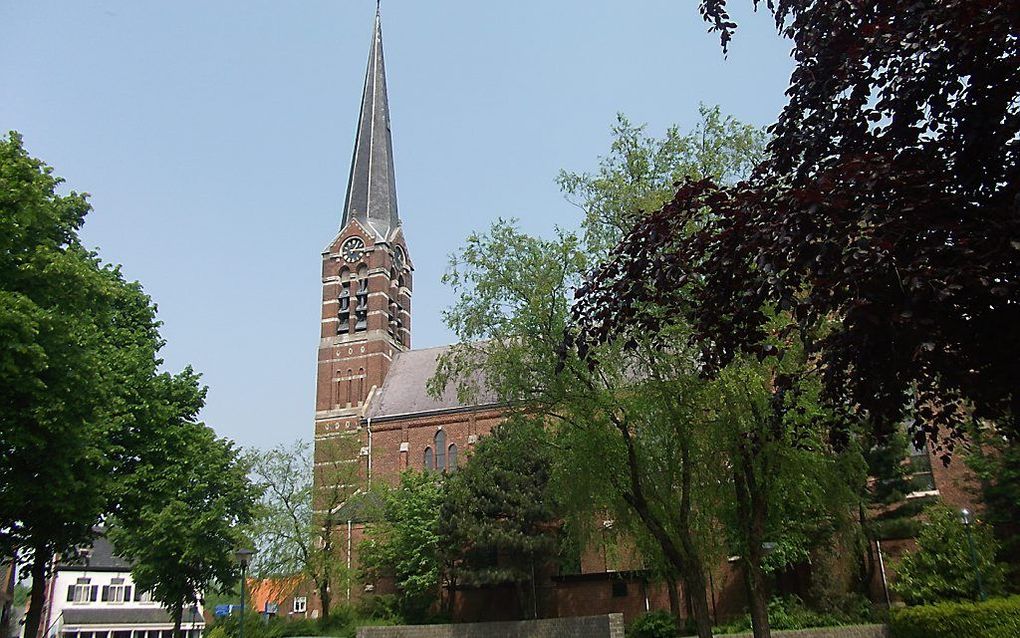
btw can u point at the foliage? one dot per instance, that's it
(942, 568)
(498, 522)
(996, 461)
(20, 595)
(296, 529)
(197, 499)
(789, 612)
(887, 201)
(406, 545)
(342, 623)
(999, 618)
(640, 172)
(654, 624)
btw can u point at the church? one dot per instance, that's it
(372, 384)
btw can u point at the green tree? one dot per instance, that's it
(996, 460)
(942, 567)
(78, 354)
(406, 544)
(189, 500)
(296, 529)
(640, 172)
(498, 521)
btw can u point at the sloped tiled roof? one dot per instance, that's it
(102, 557)
(404, 393)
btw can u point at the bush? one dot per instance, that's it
(654, 624)
(942, 567)
(998, 618)
(789, 612)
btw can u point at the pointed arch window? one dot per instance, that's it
(440, 441)
(429, 461)
(451, 457)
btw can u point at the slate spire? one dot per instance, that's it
(372, 189)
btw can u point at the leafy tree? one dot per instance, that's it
(406, 544)
(498, 519)
(189, 498)
(942, 568)
(296, 530)
(78, 349)
(996, 460)
(887, 200)
(640, 172)
(633, 420)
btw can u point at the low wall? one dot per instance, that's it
(849, 631)
(608, 626)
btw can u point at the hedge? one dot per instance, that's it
(998, 618)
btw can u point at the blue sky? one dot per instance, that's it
(215, 138)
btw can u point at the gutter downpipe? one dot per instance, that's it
(370, 453)
(881, 568)
(349, 526)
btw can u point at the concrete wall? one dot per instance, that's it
(852, 631)
(609, 626)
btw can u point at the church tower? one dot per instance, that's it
(366, 272)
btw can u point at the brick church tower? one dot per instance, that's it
(366, 273)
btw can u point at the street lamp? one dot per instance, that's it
(243, 557)
(965, 516)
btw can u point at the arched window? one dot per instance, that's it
(440, 442)
(451, 457)
(428, 459)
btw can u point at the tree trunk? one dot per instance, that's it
(178, 615)
(694, 588)
(674, 598)
(757, 595)
(324, 598)
(40, 563)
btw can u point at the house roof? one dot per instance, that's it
(102, 557)
(404, 393)
(124, 616)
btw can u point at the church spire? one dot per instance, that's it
(372, 189)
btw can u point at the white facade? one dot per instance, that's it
(101, 601)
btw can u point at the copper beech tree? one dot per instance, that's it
(884, 220)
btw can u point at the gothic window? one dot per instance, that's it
(440, 442)
(429, 461)
(451, 457)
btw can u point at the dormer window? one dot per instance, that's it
(83, 591)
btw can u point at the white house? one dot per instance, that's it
(96, 598)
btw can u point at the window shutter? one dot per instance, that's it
(127, 593)
(106, 592)
(94, 593)
(138, 594)
(70, 593)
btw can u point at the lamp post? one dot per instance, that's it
(243, 557)
(965, 516)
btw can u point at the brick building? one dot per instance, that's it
(371, 385)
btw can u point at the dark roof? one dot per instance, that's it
(123, 616)
(102, 557)
(404, 393)
(364, 507)
(372, 186)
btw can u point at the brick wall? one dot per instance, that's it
(609, 626)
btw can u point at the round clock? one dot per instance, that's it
(352, 249)
(398, 259)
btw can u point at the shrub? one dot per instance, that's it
(789, 612)
(654, 624)
(998, 618)
(942, 567)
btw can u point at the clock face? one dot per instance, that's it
(353, 249)
(398, 258)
